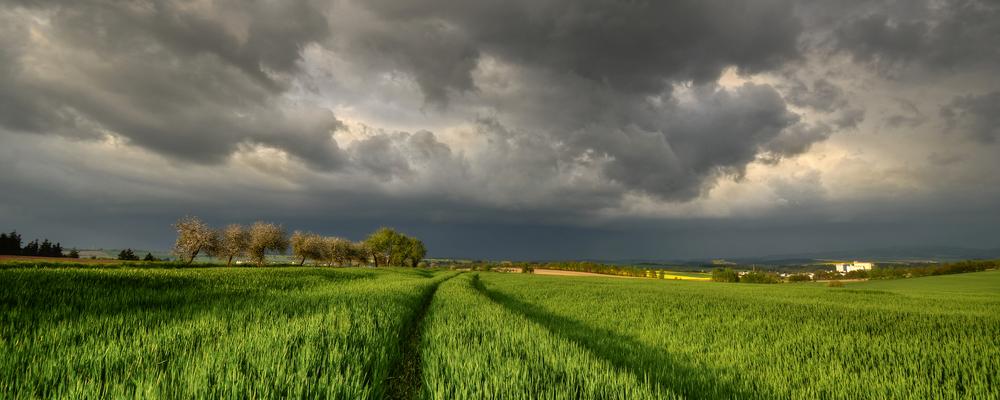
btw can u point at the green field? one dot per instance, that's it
(403, 333)
(985, 283)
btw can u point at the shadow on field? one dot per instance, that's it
(655, 366)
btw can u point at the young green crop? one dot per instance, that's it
(238, 332)
(474, 348)
(352, 333)
(706, 340)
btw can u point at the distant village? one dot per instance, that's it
(841, 268)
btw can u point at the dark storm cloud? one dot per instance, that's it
(954, 34)
(634, 46)
(192, 83)
(719, 133)
(387, 155)
(588, 69)
(197, 81)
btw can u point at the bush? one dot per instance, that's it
(725, 275)
(527, 270)
(835, 284)
(799, 278)
(886, 273)
(760, 277)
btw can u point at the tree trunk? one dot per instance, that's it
(229, 262)
(193, 255)
(303, 261)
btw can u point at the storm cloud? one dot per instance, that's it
(552, 115)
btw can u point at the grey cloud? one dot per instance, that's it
(631, 46)
(190, 85)
(199, 82)
(586, 70)
(795, 140)
(908, 117)
(849, 118)
(823, 96)
(976, 115)
(676, 150)
(954, 34)
(255, 37)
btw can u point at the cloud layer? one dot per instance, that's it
(559, 113)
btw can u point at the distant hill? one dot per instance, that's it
(883, 254)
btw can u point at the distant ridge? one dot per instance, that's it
(897, 253)
(883, 254)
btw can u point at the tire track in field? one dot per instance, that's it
(625, 353)
(405, 378)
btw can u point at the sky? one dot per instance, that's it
(516, 129)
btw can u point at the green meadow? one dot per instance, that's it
(308, 332)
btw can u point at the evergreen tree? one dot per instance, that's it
(57, 250)
(45, 250)
(74, 254)
(149, 257)
(10, 244)
(127, 255)
(31, 249)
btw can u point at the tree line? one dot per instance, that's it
(10, 245)
(253, 243)
(129, 255)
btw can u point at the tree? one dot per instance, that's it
(149, 257)
(74, 253)
(338, 251)
(57, 250)
(411, 251)
(193, 236)
(265, 237)
(760, 277)
(127, 255)
(390, 247)
(10, 244)
(725, 275)
(360, 253)
(45, 249)
(307, 246)
(232, 243)
(380, 245)
(31, 249)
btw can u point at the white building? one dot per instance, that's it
(852, 266)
